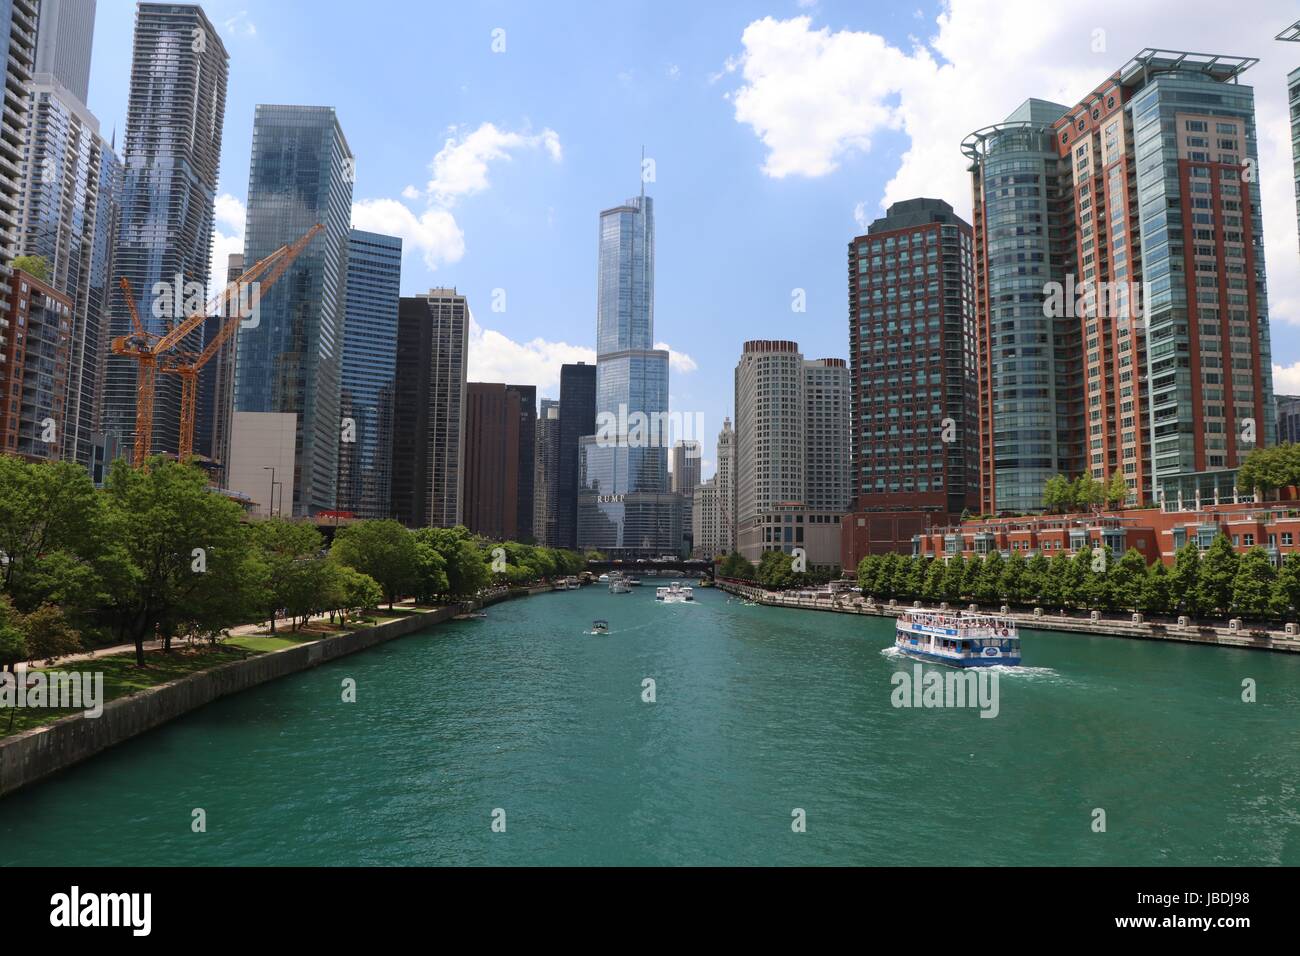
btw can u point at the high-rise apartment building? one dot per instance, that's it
(67, 217)
(492, 441)
(429, 409)
(527, 396)
(1288, 419)
(1143, 249)
(1292, 34)
(577, 419)
(301, 173)
(171, 157)
(63, 43)
(625, 507)
(546, 474)
(686, 466)
(34, 366)
(18, 39)
(778, 394)
(368, 374)
(215, 402)
(911, 337)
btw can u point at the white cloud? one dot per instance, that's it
(461, 167)
(494, 357)
(815, 97)
(434, 233)
(458, 170)
(1286, 379)
(227, 239)
(241, 24)
(678, 361)
(672, 71)
(861, 216)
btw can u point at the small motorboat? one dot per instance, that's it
(471, 616)
(600, 627)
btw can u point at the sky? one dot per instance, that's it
(490, 135)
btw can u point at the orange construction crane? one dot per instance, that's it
(151, 351)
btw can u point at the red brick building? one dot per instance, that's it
(35, 346)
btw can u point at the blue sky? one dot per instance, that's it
(769, 125)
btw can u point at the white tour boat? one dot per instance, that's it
(675, 594)
(958, 638)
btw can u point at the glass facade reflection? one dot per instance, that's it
(624, 504)
(300, 174)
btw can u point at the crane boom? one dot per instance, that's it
(147, 348)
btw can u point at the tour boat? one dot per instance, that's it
(958, 639)
(600, 627)
(675, 594)
(618, 585)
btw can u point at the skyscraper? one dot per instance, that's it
(725, 479)
(624, 503)
(790, 415)
(1030, 383)
(18, 39)
(215, 402)
(577, 419)
(429, 410)
(1160, 285)
(369, 372)
(1292, 34)
(171, 157)
(546, 475)
(67, 217)
(911, 335)
(34, 368)
(63, 42)
(492, 438)
(300, 174)
(686, 466)
(527, 395)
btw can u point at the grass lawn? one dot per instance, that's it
(122, 678)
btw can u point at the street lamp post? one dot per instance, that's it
(270, 503)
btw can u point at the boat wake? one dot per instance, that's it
(1019, 670)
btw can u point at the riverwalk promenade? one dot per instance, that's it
(1234, 633)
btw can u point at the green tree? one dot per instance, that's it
(286, 550)
(971, 577)
(1286, 589)
(13, 643)
(1129, 580)
(891, 566)
(913, 577)
(1095, 587)
(184, 555)
(1036, 572)
(954, 579)
(1055, 582)
(1218, 572)
(35, 266)
(1268, 469)
(48, 634)
(1154, 597)
(1015, 579)
(775, 570)
(430, 579)
(1184, 587)
(988, 584)
(384, 550)
(1117, 490)
(737, 567)
(1057, 495)
(52, 535)
(934, 575)
(868, 573)
(1252, 586)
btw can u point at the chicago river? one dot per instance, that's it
(695, 734)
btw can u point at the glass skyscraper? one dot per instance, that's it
(300, 174)
(624, 502)
(369, 366)
(170, 161)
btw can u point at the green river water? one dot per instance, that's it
(757, 712)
